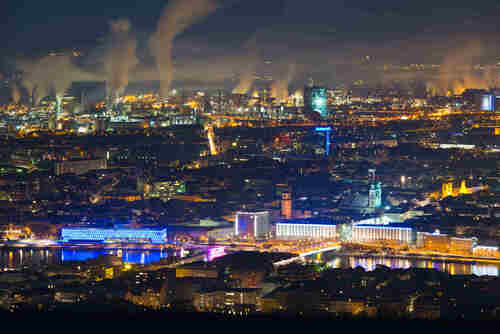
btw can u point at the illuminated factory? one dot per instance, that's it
(157, 236)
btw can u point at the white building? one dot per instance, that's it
(314, 228)
(393, 232)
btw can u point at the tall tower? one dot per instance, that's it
(286, 205)
(327, 131)
(447, 189)
(375, 196)
(211, 139)
(58, 106)
(463, 188)
(83, 102)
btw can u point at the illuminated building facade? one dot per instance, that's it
(109, 235)
(196, 271)
(447, 189)
(393, 232)
(488, 102)
(79, 167)
(446, 244)
(252, 224)
(236, 300)
(313, 228)
(286, 205)
(166, 189)
(487, 251)
(315, 99)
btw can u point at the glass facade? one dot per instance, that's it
(102, 235)
(252, 224)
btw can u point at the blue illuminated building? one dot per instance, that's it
(315, 99)
(327, 131)
(114, 235)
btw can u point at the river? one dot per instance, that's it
(16, 257)
(369, 263)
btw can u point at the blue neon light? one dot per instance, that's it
(102, 235)
(327, 129)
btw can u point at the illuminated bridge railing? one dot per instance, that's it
(101, 235)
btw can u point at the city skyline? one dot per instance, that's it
(243, 159)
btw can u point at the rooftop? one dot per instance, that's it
(392, 225)
(311, 221)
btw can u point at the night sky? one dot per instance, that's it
(320, 32)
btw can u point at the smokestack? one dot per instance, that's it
(58, 106)
(279, 88)
(177, 16)
(50, 74)
(15, 94)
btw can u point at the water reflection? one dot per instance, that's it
(369, 263)
(34, 257)
(481, 270)
(133, 256)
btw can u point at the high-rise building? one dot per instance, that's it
(286, 205)
(315, 99)
(375, 196)
(252, 224)
(487, 102)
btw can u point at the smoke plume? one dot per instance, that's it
(459, 72)
(15, 94)
(279, 88)
(176, 17)
(247, 76)
(121, 57)
(50, 75)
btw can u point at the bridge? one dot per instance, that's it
(301, 254)
(320, 250)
